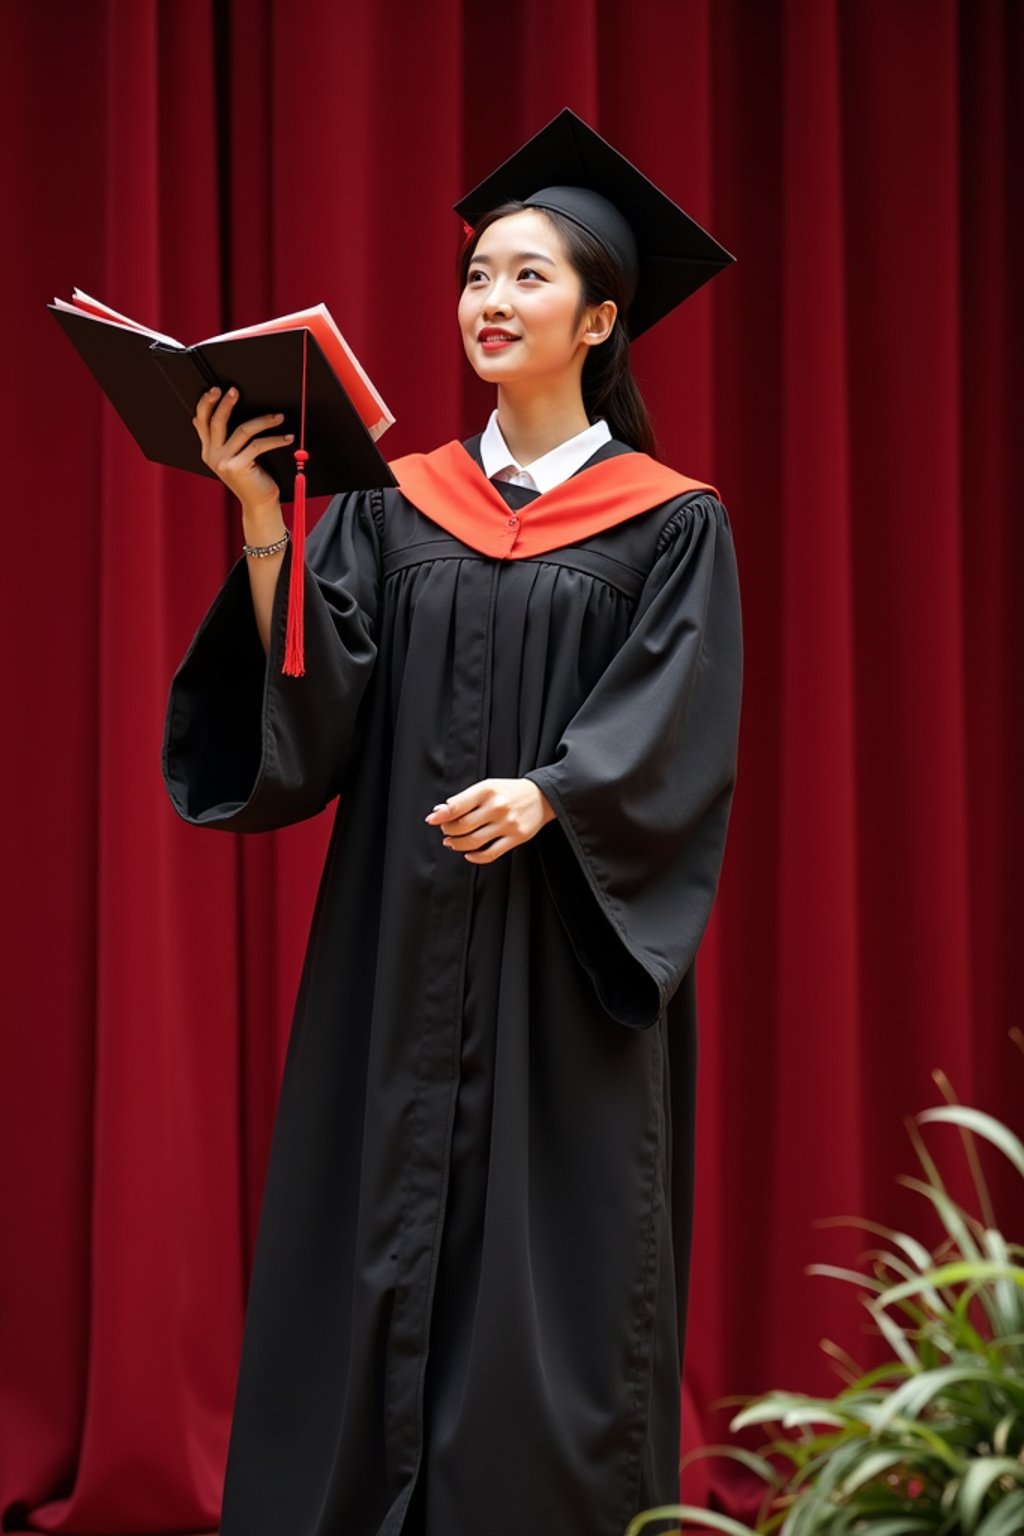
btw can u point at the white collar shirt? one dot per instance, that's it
(551, 468)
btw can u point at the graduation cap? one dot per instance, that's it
(569, 168)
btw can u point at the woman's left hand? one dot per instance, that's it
(499, 812)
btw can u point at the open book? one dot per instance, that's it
(155, 382)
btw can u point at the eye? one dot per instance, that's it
(532, 272)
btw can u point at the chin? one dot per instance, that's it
(493, 370)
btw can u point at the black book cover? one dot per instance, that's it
(155, 389)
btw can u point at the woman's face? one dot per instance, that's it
(517, 312)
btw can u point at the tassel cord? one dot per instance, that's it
(294, 664)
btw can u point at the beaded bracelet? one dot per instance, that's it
(261, 551)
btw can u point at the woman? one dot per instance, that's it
(523, 678)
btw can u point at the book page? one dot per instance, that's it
(353, 377)
(84, 305)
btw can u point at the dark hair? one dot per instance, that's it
(609, 388)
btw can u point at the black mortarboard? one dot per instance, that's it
(568, 167)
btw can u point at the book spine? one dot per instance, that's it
(186, 371)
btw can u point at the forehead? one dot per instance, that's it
(530, 230)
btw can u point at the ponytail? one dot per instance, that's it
(611, 391)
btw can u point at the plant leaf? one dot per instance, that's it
(915, 1395)
(856, 1276)
(870, 1466)
(915, 1251)
(1001, 1433)
(963, 1269)
(767, 1409)
(814, 1413)
(1011, 1305)
(988, 1126)
(980, 1475)
(688, 1514)
(953, 1218)
(895, 1337)
(1007, 1519)
(758, 1464)
(898, 1524)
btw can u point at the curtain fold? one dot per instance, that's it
(854, 385)
(817, 888)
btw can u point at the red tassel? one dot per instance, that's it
(294, 658)
(294, 664)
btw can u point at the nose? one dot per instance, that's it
(495, 304)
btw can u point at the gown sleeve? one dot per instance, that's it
(644, 772)
(245, 748)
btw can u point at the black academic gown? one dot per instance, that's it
(467, 1309)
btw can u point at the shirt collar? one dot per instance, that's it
(551, 468)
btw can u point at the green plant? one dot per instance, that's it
(933, 1439)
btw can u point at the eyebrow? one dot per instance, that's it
(519, 256)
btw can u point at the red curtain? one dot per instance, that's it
(852, 385)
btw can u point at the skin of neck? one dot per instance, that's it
(536, 419)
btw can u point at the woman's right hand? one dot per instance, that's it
(233, 459)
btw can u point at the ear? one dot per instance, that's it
(598, 323)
